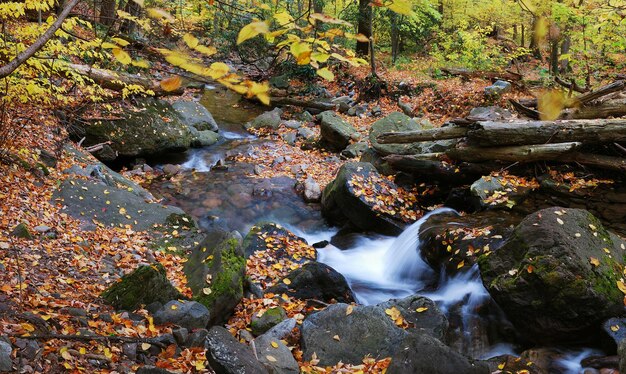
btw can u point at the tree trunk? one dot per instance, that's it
(364, 27)
(394, 36)
(523, 37)
(534, 43)
(446, 132)
(107, 12)
(133, 9)
(554, 58)
(565, 46)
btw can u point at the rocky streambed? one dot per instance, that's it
(537, 290)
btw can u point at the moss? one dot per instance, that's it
(228, 280)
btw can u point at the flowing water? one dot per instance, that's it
(219, 192)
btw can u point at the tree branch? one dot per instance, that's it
(9, 68)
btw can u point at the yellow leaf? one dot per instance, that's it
(158, 13)
(336, 337)
(121, 42)
(283, 18)
(594, 261)
(460, 264)
(550, 104)
(421, 309)
(328, 19)
(122, 211)
(274, 344)
(199, 365)
(614, 328)
(251, 30)
(121, 56)
(349, 310)
(326, 74)
(501, 366)
(393, 312)
(401, 7)
(170, 84)
(218, 69)
(65, 354)
(320, 56)
(207, 51)
(82, 350)
(206, 291)
(287, 281)
(270, 358)
(302, 52)
(621, 286)
(542, 27)
(141, 64)
(145, 346)
(191, 41)
(174, 307)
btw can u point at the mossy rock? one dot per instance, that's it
(22, 231)
(215, 273)
(145, 285)
(556, 276)
(336, 133)
(270, 318)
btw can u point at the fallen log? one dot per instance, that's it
(599, 161)
(521, 153)
(541, 132)
(434, 169)
(492, 75)
(608, 109)
(525, 109)
(447, 132)
(302, 103)
(118, 81)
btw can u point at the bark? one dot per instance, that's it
(605, 110)
(107, 12)
(543, 132)
(9, 68)
(599, 161)
(524, 153)
(364, 26)
(302, 103)
(447, 132)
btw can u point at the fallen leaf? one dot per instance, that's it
(349, 310)
(421, 309)
(594, 261)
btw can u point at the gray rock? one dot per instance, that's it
(197, 338)
(181, 335)
(498, 89)
(292, 124)
(340, 204)
(152, 370)
(421, 353)
(290, 138)
(354, 150)
(195, 114)
(22, 231)
(318, 281)
(336, 133)
(227, 356)
(270, 318)
(343, 103)
(42, 229)
(280, 81)
(269, 119)
(142, 131)
(429, 320)
(306, 134)
(171, 170)
(566, 297)
(397, 122)
(376, 111)
(6, 363)
(305, 117)
(490, 113)
(312, 191)
(282, 330)
(498, 192)
(333, 335)
(188, 314)
(621, 352)
(405, 107)
(205, 138)
(215, 273)
(275, 355)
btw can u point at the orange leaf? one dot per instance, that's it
(171, 84)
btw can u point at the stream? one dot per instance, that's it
(222, 193)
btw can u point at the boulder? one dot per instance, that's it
(154, 127)
(421, 353)
(342, 204)
(270, 318)
(269, 119)
(282, 330)
(615, 328)
(188, 314)
(397, 122)
(499, 192)
(275, 355)
(145, 285)
(21, 231)
(556, 277)
(256, 241)
(490, 113)
(422, 314)
(336, 133)
(354, 150)
(204, 138)
(312, 192)
(497, 89)
(318, 281)
(6, 363)
(335, 335)
(215, 273)
(227, 356)
(195, 114)
(306, 134)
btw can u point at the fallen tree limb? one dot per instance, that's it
(447, 132)
(526, 110)
(571, 85)
(605, 110)
(492, 75)
(522, 153)
(541, 132)
(302, 103)
(430, 168)
(599, 161)
(117, 81)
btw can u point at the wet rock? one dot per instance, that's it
(215, 273)
(318, 281)
(151, 129)
(498, 192)
(490, 113)
(615, 328)
(571, 286)
(227, 356)
(335, 335)
(336, 133)
(406, 108)
(180, 335)
(107, 153)
(171, 170)
(397, 122)
(275, 355)
(269, 119)
(621, 352)
(195, 114)
(143, 286)
(255, 240)
(513, 364)
(600, 362)
(312, 192)
(422, 314)
(188, 314)
(197, 338)
(434, 357)
(354, 150)
(22, 231)
(204, 138)
(343, 103)
(6, 363)
(455, 242)
(340, 204)
(497, 89)
(270, 318)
